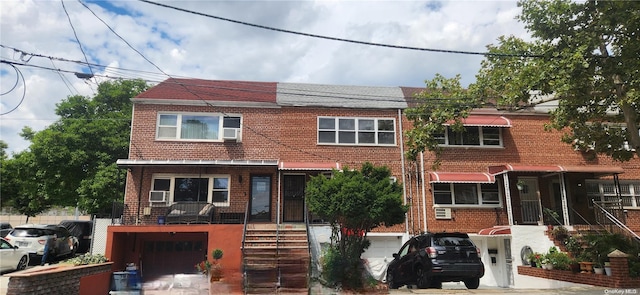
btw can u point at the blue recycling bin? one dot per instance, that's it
(161, 219)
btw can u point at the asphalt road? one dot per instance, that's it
(453, 288)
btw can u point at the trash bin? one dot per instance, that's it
(160, 219)
(120, 281)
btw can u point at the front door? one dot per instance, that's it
(530, 200)
(260, 198)
(293, 194)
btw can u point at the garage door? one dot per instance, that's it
(382, 247)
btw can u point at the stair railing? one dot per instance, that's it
(591, 226)
(244, 235)
(614, 225)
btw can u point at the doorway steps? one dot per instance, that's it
(276, 259)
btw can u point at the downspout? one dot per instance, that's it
(278, 199)
(563, 196)
(139, 195)
(404, 182)
(507, 196)
(417, 195)
(424, 193)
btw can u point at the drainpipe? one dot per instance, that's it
(507, 196)
(404, 182)
(278, 200)
(563, 196)
(139, 195)
(424, 193)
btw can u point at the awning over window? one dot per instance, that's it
(600, 169)
(495, 231)
(461, 177)
(485, 120)
(326, 166)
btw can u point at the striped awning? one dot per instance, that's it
(313, 166)
(484, 120)
(461, 177)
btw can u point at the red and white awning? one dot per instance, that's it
(310, 166)
(600, 169)
(495, 231)
(484, 120)
(461, 177)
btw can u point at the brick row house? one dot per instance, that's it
(248, 148)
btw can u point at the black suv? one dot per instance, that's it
(429, 259)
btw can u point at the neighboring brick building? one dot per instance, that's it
(251, 147)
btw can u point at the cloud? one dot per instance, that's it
(184, 44)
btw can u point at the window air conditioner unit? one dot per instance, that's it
(443, 213)
(230, 133)
(158, 196)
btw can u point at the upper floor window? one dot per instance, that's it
(356, 131)
(605, 191)
(187, 188)
(194, 126)
(466, 194)
(471, 136)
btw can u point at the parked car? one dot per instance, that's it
(12, 257)
(33, 237)
(429, 259)
(82, 230)
(5, 228)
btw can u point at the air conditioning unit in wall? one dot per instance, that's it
(443, 213)
(230, 134)
(158, 197)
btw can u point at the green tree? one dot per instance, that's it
(354, 202)
(20, 186)
(583, 57)
(74, 158)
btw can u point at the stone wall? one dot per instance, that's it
(61, 279)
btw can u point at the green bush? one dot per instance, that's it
(86, 259)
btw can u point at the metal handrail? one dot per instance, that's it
(244, 231)
(244, 235)
(591, 226)
(625, 230)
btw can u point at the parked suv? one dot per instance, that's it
(33, 237)
(81, 229)
(429, 259)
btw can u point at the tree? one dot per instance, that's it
(584, 56)
(20, 186)
(354, 202)
(74, 158)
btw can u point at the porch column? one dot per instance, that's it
(563, 196)
(507, 196)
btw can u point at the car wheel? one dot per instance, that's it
(436, 284)
(390, 282)
(22, 264)
(422, 279)
(472, 283)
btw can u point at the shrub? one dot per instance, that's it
(86, 259)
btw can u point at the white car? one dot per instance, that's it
(12, 257)
(33, 237)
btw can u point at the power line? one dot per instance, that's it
(342, 39)
(24, 90)
(76, 35)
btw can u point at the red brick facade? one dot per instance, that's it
(287, 133)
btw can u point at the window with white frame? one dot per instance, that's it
(605, 191)
(471, 136)
(466, 194)
(191, 188)
(194, 126)
(356, 131)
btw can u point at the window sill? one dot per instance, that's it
(483, 147)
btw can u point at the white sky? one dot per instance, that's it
(189, 45)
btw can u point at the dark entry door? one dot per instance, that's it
(260, 198)
(293, 195)
(166, 253)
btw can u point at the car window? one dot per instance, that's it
(452, 241)
(28, 232)
(404, 250)
(5, 245)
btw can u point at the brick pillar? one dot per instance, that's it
(619, 267)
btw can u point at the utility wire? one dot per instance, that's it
(342, 39)
(24, 91)
(76, 35)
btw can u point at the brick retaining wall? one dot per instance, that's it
(59, 279)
